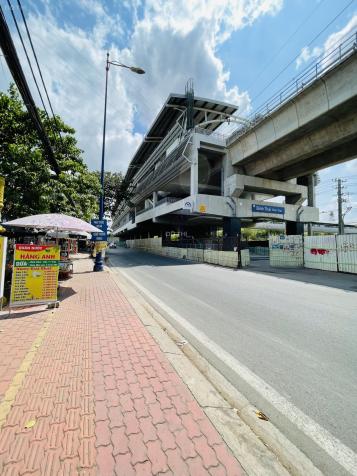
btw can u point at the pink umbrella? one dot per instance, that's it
(53, 221)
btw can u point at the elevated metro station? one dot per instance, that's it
(182, 179)
(187, 177)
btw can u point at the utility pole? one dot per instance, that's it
(339, 203)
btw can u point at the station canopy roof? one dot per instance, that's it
(165, 120)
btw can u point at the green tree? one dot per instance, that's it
(31, 186)
(113, 183)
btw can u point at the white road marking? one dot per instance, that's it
(341, 453)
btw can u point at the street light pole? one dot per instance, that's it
(98, 265)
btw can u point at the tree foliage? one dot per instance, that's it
(31, 186)
(112, 184)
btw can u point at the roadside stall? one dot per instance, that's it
(37, 264)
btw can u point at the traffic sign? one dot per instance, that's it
(103, 235)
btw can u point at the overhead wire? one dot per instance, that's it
(31, 68)
(27, 56)
(309, 44)
(13, 62)
(39, 69)
(14, 65)
(282, 47)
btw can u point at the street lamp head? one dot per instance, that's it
(134, 69)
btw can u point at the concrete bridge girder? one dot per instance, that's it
(237, 184)
(319, 118)
(340, 133)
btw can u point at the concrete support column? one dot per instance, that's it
(228, 169)
(294, 228)
(154, 198)
(310, 198)
(309, 182)
(231, 232)
(194, 168)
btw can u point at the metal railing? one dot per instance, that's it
(215, 135)
(146, 209)
(167, 200)
(175, 133)
(164, 165)
(294, 87)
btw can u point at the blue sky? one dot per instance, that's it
(232, 48)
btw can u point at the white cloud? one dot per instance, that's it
(172, 40)
(307, 54)
(332, 41)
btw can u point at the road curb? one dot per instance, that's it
(259, 446)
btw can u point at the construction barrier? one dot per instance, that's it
(320, 252)
(347, 253)
(195, 254)
(221, 258)
(327, 253)
(245, 256)
(286, 251)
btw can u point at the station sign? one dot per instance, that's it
(102, 225)
(268, 209)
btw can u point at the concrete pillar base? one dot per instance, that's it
(231, 233)
(294, 228)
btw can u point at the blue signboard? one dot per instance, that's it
(267, 209)
(103, 235)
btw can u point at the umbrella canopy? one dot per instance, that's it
(53, 221)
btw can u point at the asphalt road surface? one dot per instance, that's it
(298, 336)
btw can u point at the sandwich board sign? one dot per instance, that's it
(35, 275)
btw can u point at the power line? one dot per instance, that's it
(38, 67)
(309, 44)
(273, 58)
(16, 70)
(27, 56)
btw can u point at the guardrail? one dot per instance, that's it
(144, 210)
(167, 200)
(294, 87)
(216, 135)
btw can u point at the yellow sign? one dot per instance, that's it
(35, 274)
(100, 245)
(202, 208)
(2, 188)
(3, 244)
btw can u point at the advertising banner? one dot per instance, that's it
(101, 245)
(102, 225)
(35, 274)
(3, 245)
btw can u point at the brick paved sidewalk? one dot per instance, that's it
(86, 390)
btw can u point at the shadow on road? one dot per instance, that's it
(129, 258)
(345, 281)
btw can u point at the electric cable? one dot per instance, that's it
(39, 68)
(273, 58)
(309, 44)
(30, 65)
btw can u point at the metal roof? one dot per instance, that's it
(166, 118)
